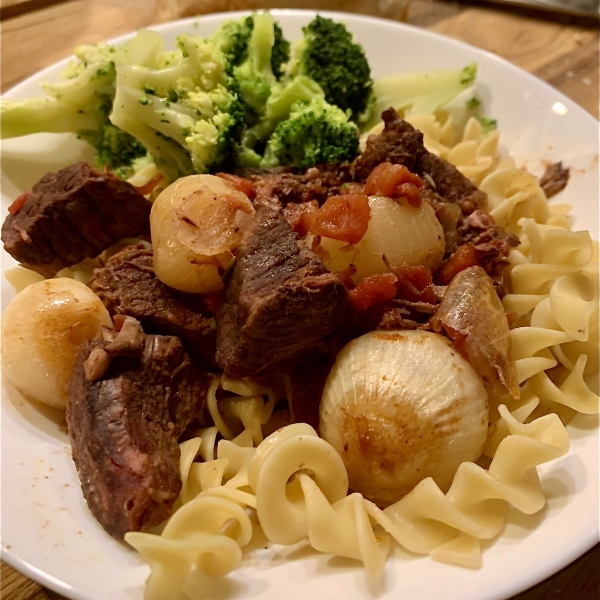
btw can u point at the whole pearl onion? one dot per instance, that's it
(402, 406)
(43, 328)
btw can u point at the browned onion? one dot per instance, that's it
(472, 315)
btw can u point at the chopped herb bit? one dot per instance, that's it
(487, 124)
(144, 101)
(165, 121)
(473, 103)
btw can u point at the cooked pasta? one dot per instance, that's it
(297, 482)
(475, 154)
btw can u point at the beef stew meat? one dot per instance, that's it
(124, 427)
(491, 243)
(281, 300)
(400, 143)
(554, 180)
(127, 285)
(73, 214)
(285, 185)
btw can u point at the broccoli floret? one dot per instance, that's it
(182, 107)
(115, 148)
(81, 100)
(280, 54)
(233, 39)
(315, 133)
(328, 54)
(278, 108)
(79, 103)
(136, 165)
(254, 75)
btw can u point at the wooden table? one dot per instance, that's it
(562, 51)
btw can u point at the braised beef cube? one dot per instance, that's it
(554, 180)
(281, 300)
(73, 214)
(400, 143)
(128, 286)
(286, 185)
(124, 426)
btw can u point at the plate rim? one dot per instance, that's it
(549, 568)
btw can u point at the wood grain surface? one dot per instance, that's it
(558, 49)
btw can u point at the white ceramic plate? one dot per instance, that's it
(47, 531)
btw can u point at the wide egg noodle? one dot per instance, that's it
(474, 154)
(212, 524)
(297, 482)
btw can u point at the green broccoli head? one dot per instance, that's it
(233, 39)
(280, 54)
(329, 55)
(115, 148)
(315, 133)
(80, 103)
(254, 75)
(182, 107)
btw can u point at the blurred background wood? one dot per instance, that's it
(560, 50)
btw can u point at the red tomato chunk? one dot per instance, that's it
(464, 257)
(344, 218)
(239, 183)
(415, 283)
(301, 216)
(17, 205)
(394, 181)
(373, 290)
(148, 187)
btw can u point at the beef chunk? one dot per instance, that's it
(281, 300)
(124, 428)
(317, 183)
(554, 180)
(128, 286)
(400, 143)
(73, 214)
(491, 242)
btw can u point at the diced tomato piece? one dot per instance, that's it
(239, 183)
(415, 283)
(148, 187)
(394, 181)
(119, 321)
(344, 218)
(17, 205)
(301, 216)
(373, 290)
(409, 191)
(346, 276)
(213, 301)
(464, 257)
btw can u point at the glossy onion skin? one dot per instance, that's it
(400, 406)
(472, 314)
(195, 225)
(401, 233)
(43, 328)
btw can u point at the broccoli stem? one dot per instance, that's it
(24, 117)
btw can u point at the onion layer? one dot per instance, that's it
(473, 316)
(403, 234)
(402, 406)
(196, 223)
